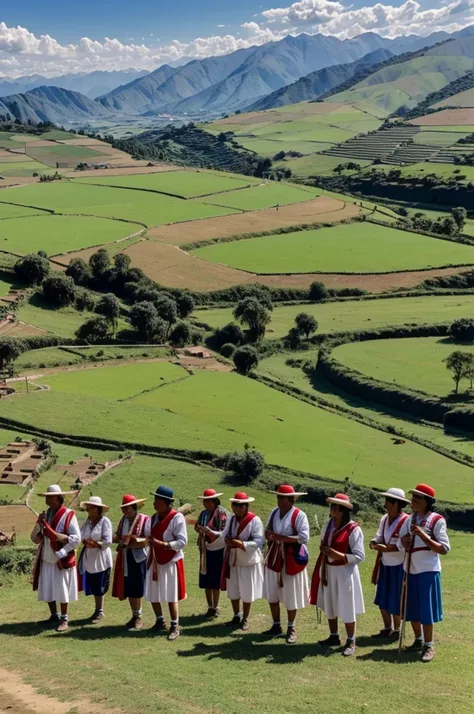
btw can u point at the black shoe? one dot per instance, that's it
(159, 626)
(331, 641)
(385, 634)
(211, 612)
(416, 646)
(52, 620)
(235, 622)
(274, 631)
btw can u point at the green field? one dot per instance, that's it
(23, 168)
(185, 184)
(60, 234)
(456, 129)
(443, 170)
(269, 147)
(62, 322)
(141, 206)
(223, 411)
(10, 211)
(62, 152)
(414, 363)
(69, 356)
(357, 314)
(317, 165)
(359, 247)
(265, 195)
(438, 138)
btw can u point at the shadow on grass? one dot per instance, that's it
(392, 656)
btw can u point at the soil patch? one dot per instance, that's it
(16, 518)
(448, 117)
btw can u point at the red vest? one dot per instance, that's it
(226, 565)
(274, 559)
(340, 542)
(159, 554)
(49, 531)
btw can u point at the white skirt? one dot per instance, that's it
(57, 585)
(294, 594)
(167, 587)
(245, 583)
(343, 597)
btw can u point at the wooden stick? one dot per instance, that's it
(404, 595)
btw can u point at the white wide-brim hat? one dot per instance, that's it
(55, 490)
(397, 493)
(94, 501)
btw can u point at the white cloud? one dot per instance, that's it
(22, 52)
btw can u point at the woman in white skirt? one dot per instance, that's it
(95, 561)
(336, 588)
(286, 576)
(165, 580)
(242, 572)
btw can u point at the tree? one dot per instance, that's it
(122, 262)
(252, 313)
(246, 465)
(99, 263)
(59, 289)
(10, 349)
(228, 350)
(181, 334)
(32, 269)
(293, 339)
(229, 333)
(306, 324)
(459, 364)
(245, 359)
(84, 300)
(146, 321)
(185, 304)
(318, 292)
(79, 271)
(109, 307)
(462, 330)
(95, 329)
(167, 309)
(459, 214)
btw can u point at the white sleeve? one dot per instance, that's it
(302, 527)
(74, 538)
(404, 530)
(106, 536)
(147, 528)
(440, 534)
(256, 537)
(179, 532)
(356, 542)
(379, 535)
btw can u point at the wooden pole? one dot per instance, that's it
(27, 385)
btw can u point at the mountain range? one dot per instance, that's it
(93, 84)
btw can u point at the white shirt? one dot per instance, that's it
(96, 560)
(176, 534)
(385, 536)
(49, 555)
(282, 526)
(252, 538)
(356, 544)
(140, 554)
(425, 561)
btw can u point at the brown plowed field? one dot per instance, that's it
(276, 116)
(20, 329)
(448, 117)
(322, 209)
(18, 518)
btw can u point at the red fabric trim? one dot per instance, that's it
(181, 580)
(49, 531)
(118, 587)
(158, 554)
(340, 542)
(226, 565)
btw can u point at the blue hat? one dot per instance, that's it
(164, 492)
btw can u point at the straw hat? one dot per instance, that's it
(340, 499)
(167, 494)
(241, 497)
(287, 490)
(397, 493)
(210, 493)
(55, 490)
(423, 490)
(129, 500)
(93, 501)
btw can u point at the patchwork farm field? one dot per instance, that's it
(359, 247)
(414, 363)
(445, 171)
(264, 195)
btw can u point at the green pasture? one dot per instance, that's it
(185, 184)
(264, 195)
(424, 168)
(140, 206)
(23, 168)
(351, 315)
(313, 132)
(5, 139)
(59, 135)
(60, 321)
(318, 165)
(381, 96)
(438, 138)
(414, 363)
(223, 411)
(74, 355)
(463, 129)
(359, 247)
(60, 234)
(5, 286)
(11, 211)
(61, 152)
(269, 147)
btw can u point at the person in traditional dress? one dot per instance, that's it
(286, 576)
(424, 537)
(336, 588)
(132, 552)
(242, 571)
(209, 527)
(57, 533)
(165, 580)
(95, 560)
(387, 574)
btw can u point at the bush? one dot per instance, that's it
(318, 292)
(59, 290)
(462, 330)
(229, 333)
(84, 300)
(95, 329)
(32, 269)
(246, 465)
(181, 334)
(245, 359)
(17, 561)
(79, 271)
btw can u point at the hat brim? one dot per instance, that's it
(421, 493)
(238, 500)
(138, 501)
(160, 495)
(83, 505)
(340, 502)
(397, 498)
(58, 493)
(290, 495)
(208, 498)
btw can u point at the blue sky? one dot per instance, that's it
(57, 37)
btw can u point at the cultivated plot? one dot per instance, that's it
(264, 195)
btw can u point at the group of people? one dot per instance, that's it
(150, 564)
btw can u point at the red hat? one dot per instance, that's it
(287, 490)
(241, 497)
(340, 499)
(424, 490)
(129, 500)
(210, 493)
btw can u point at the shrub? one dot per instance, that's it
(229, 333)
(246, 465)
(254, 315)
(32, 269)
(181, 334)
(79, 271)
(245, 359)
(59, 289)
(228, 350)
(318, 292)
(462, 330)
(306, 324)
(95, 329)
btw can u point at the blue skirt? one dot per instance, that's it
(389, 588)
(424, 603)
(134, 583)
(96, 583)
(212, 579)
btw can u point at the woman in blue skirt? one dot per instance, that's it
(211, 523)
(424, 536)
(95, 561)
